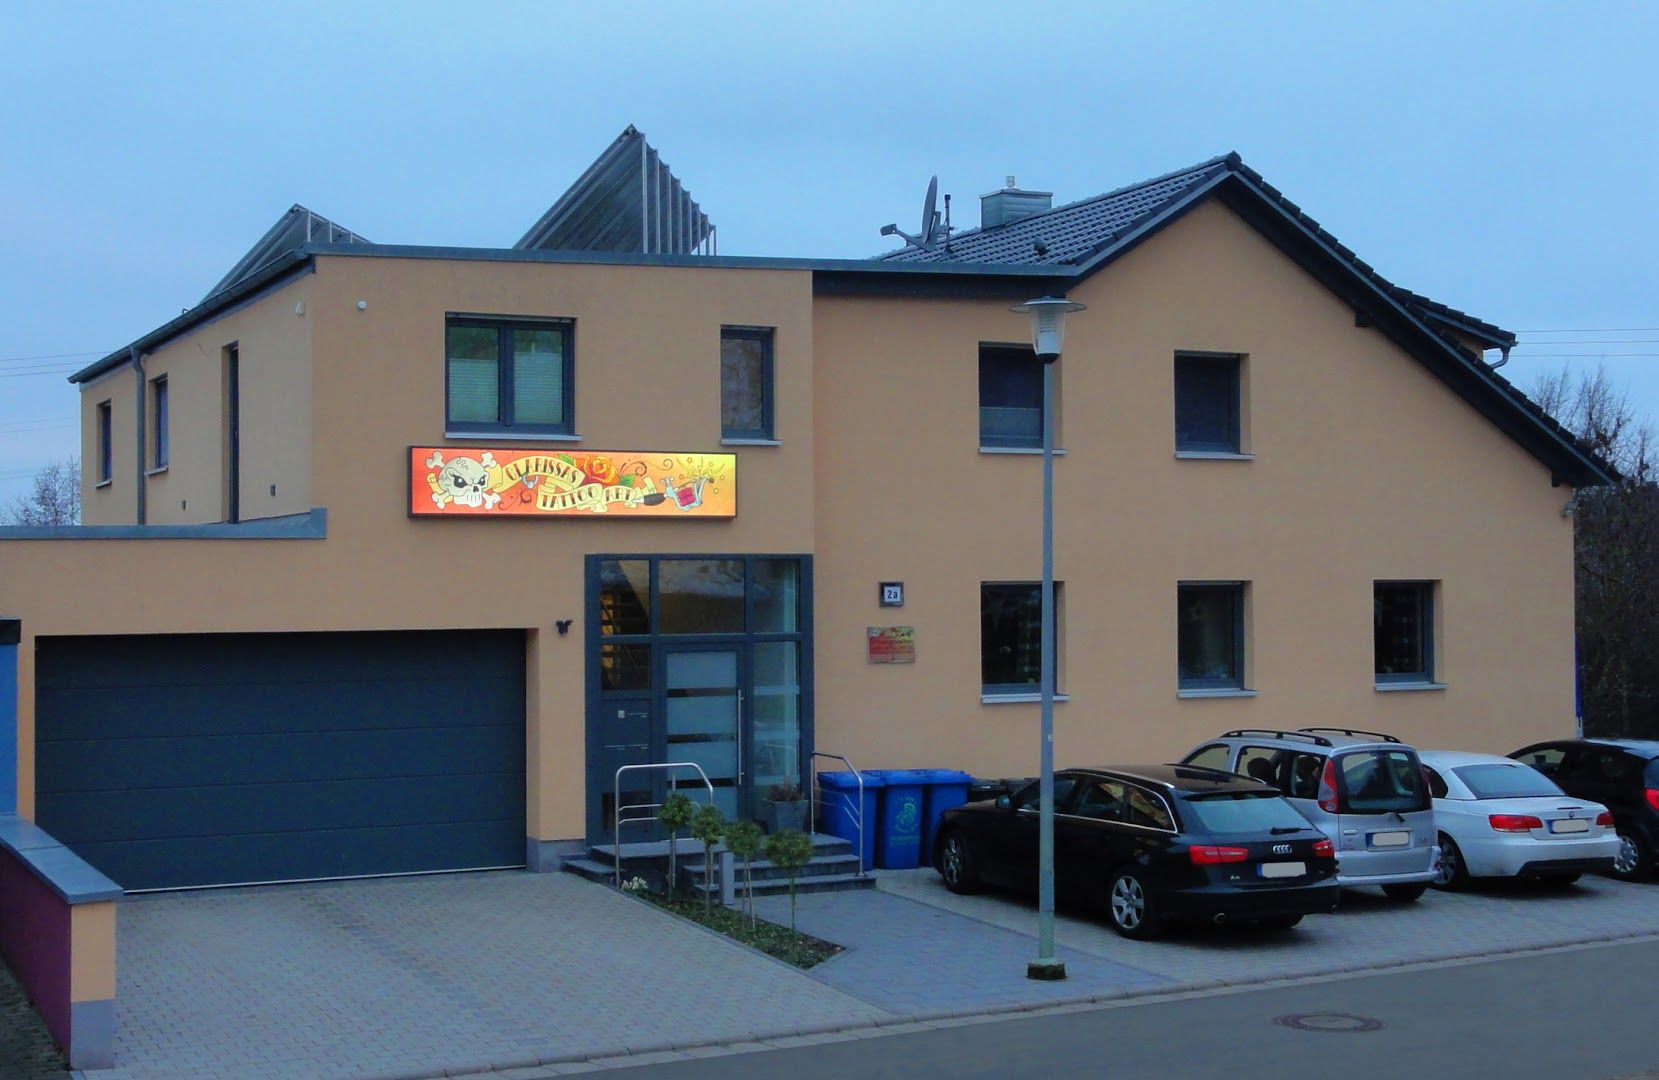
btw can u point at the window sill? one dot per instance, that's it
(1219, 691)
(510, 436)
(157, 471)
(749, 442)
(1017, 699)
(1404, 687)
(100, 485)
(1037, 451)
(1213, 455)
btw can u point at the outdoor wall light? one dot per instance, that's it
(1048, 324)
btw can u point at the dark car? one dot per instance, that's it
(1622, 775)
(1150, 844)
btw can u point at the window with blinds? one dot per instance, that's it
(509, 375)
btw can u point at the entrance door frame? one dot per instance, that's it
(598, 825)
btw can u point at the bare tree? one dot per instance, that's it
(1616, 557)
(54, 500)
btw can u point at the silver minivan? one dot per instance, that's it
(1364, 790)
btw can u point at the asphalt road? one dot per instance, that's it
(1585, 1011)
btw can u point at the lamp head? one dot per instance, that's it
(1048, 324)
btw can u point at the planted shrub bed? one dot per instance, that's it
(790, 946)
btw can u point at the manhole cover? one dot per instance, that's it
(1341, 1023)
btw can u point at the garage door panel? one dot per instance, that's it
(135, 711)
(292, 857)
(185, 813)
(217, 759)
(162, 764)
(300, 659)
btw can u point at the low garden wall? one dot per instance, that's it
(57, 934)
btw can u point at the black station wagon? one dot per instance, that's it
(1150, 844)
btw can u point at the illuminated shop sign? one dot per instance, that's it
(465, 481)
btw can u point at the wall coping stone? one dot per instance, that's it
(74, 879)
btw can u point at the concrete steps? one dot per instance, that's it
(834, 866)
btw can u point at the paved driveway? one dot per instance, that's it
(415, 975)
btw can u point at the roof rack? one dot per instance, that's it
(1379, 736)
(1239, 733)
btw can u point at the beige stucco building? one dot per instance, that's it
(1291, 494)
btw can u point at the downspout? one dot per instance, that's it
(138, 464)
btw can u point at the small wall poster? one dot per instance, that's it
(891, 644)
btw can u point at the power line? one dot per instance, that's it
(49, 356)
(1596, 330)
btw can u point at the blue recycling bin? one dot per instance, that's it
(899, 818)
(945, 788)
(839, 809)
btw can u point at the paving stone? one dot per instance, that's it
(412, 975)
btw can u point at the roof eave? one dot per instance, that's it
(207, 309)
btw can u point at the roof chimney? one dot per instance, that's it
(1011, 204)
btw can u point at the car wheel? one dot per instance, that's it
(956, 864)
(1454, 874)
(1404, 894)
(1633, 861)
(1131, 907)
(1281, 922)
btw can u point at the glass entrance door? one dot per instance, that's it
(703, 715)
(697, 658)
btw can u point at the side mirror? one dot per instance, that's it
(1004, 801)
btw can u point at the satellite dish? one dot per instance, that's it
(930, 216)
(929, 233)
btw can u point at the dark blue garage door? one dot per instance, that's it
(214, 759)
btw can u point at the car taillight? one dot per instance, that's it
(1653, 797)
(1515, 822)
(1323, 849)
(1605, 818)
(1209, 855)
(1327, 787)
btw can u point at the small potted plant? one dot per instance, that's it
(785, 807)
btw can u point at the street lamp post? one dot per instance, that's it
(1048, 327)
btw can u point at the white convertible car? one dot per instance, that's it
(1500, 818)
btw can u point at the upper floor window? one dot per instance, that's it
(1207, 403)
(1210, 635)
(746, 382)
(1403, 625)
(158, 422)
(1010, 398)
(514, 375)
(106, 469)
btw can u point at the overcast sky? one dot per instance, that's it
(1498, 157)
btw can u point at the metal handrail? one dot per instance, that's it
(857, 816)
(617, 820)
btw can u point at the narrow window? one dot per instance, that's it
(1403, 622)
(746, 383)
(1010, 398)
(106, 470)
(509, 375)
(1206, 403)
(1011, 637)
(158, 422)
(1210, 635)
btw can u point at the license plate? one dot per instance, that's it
(1570, 825)
(1284, 869)
(1390, 839)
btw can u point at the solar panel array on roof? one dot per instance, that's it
(627, 200)
(295, 227)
